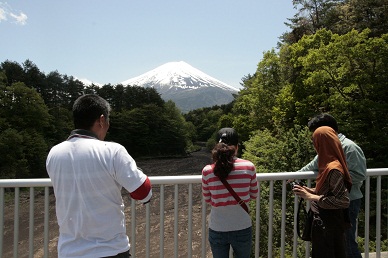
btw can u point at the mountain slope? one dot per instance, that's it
(187, 86)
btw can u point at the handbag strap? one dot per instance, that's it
(300, 208)
(235, 195)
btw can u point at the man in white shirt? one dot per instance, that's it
(88, 174)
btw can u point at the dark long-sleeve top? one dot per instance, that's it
(335, 194)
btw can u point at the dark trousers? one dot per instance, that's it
(351, 239)
(328, 235)
(328, 244)
(121, 255)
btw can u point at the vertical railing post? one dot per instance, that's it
(46, 221)
(161, 211)
(148, 230)
(190, 223)
(307, 244)
(31, 225)
(367, 207)
(1, 220)
(295, 237)
(16, 223)
(257, 231)
(270, 219)
(203, 230)
(133, 228)
(176, 218)
(283, 222)
(378, 217)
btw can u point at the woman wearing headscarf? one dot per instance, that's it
(329, 199)
(230, 224)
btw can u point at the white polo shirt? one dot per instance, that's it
(88, 175)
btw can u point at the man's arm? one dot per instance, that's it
(143, 193)
(312, 166)
(131, 177)
(356, 162)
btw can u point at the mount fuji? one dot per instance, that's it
(187, 86)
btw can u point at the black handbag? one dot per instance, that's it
(304, 219)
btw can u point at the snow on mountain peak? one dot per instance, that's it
(179, 75)
(88, 82)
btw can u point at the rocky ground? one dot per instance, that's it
(192, 165)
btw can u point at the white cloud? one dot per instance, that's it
(7, 14)
(19, 19)
(3, 14)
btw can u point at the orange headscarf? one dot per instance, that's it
(330, 156)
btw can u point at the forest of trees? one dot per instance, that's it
(36, 113)
(334, 59)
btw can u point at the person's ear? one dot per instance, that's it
(102, 121)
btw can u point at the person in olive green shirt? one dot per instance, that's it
(356, 163)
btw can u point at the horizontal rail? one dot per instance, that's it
(190, 179)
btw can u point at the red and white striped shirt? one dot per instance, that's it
(226, 213)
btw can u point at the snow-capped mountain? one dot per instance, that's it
(187, 86)
(87, 82)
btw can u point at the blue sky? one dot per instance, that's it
(112, 41)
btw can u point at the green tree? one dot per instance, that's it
(119, 100)
(73, 89)
(23, 108)
(26, 118)
(284, 150)
(345, 75)
(135, 96)
(33, 77)
(61, 123)
(176, 134)
(13, 72)
(253, 107)
(150, 130)
(13, 162)
(135, 130)
(312, 15)
(55, 90)
(91, 89)
(338, 16)
(206, 121)
(107, 92)
(361, 15)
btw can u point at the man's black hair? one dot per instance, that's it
(323, 119)
(87, 109)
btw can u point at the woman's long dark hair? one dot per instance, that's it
(223, 158)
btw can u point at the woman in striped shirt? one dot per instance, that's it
(229, 224)
(329, 199)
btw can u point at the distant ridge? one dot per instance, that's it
(187, 86)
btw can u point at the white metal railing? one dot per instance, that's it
(188, 235)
